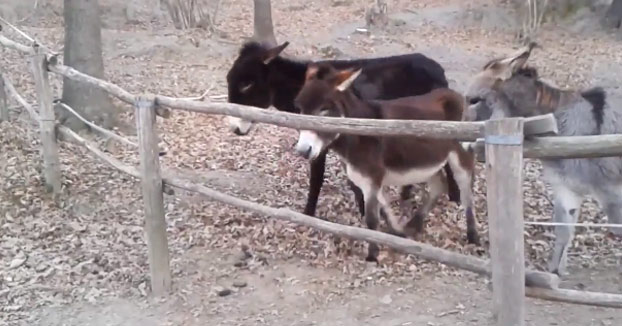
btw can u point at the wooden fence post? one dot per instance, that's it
(4, 103)
(504, 178)
(151, 180)
(47, 122)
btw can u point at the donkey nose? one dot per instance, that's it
(306, 153)
(303, 150)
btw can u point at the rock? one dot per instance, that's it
(41, 267)
(223, 292)
(17, 262)
(386, 299)
(239, 284)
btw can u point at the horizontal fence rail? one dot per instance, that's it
(560, 147)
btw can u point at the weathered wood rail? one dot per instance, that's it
(504, 142)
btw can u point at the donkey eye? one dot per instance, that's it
(474, 100)
(246, 88)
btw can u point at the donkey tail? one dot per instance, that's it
(453, 104)
(597, 97)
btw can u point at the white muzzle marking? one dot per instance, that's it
(239, 126)
(309, 144)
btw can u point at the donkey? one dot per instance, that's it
(507, 87)
(260, 77)
(374, 162)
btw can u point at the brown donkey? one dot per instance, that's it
(374, 162)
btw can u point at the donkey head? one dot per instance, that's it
(506, 88)
(247, 81)
(321, 95)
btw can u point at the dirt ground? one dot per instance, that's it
(83, 261)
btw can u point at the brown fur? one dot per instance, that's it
(375, 157)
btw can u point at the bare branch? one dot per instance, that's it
(11, 89)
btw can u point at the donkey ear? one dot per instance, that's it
(518, 60)
(274, 52)
(312, 69)
(504, 68)
(345, 78)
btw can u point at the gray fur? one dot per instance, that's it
(492, 95)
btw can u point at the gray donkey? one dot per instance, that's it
(508, 88)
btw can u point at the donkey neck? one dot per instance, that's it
(354, 107)
(285, 79)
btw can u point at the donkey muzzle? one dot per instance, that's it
(309, 144)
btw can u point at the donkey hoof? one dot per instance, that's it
(371, 259)
(559, 271)
(473, 237)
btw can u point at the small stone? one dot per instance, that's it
(41, 267)
(17, 262)
(222, 292)
(239, 284)
(386, 299)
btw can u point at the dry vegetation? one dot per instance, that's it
(90, 247)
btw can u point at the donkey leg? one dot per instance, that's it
(565, 210)
(406, 206)
(372, 209)
(437, 185)
(358, 197)
(464, 178)
(316, 179)
(613, 209)
(393, 222)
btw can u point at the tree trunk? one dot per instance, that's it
(264, 30)
(83, 52)
(613, 17)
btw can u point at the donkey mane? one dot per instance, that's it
(596, 96)
(324, 71)
(250, 47)
(530, 72)
(549, 96)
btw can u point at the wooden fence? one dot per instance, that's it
(504, 142)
